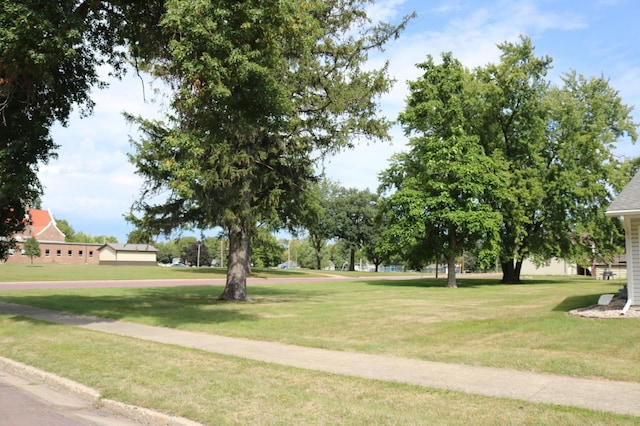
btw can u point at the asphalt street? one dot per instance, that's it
(25, 402)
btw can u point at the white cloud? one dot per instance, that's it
(92, 179)
(92, 182)
(471, 32)
(385, 10)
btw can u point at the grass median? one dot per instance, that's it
(481, 323)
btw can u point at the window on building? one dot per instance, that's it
(58, 253)
(11, 252)
(80, 253)
(47, 253)
(90, 253)
(69, 253)
(23, 252)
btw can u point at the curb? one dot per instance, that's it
(141, 415)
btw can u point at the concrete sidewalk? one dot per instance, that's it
(602, 395)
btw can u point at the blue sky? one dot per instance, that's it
(92, 185)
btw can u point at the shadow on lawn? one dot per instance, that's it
(576, 302)
(167, 306)
(461, 282)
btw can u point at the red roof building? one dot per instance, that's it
(41, 226)
(53, 247)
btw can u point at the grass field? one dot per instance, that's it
(57, 272)
(481, 323)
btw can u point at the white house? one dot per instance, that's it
(554, 267)
(626, 206)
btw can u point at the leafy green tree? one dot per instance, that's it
(140, 236)
(167, 251)
(259, 90)
(315, 220)
(64, 227)
(72, 236)
(440, 187)
(512, 104)
(338, 253)
(32, 248)
(197, 254)
(49, 55)
(183, 244)
(352, 213)
(39, 83)
(219, 249)
(305, 255)
(265, 249)
(555, 147)
(82, 237)
(377, 248)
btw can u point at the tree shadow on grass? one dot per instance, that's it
(576, 302)
(255, 273)
(442, 282)
(172, 307)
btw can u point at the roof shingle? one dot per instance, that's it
(130, 247)
(628, 201)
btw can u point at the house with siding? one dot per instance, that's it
(128, 254)
(53, 247)
(626, 206)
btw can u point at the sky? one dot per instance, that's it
(92, 185)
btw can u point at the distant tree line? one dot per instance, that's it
(501, 162)
(73, 236)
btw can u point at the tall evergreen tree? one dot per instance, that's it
(260, 89)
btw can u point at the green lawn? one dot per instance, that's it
(10, 272)
(481, 323)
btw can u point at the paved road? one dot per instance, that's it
(30, 402)
(33, 285)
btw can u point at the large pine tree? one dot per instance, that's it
(260, 90)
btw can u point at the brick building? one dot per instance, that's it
(53, 247)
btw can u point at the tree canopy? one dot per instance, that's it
(32, 248)
(502, 150)
(47, 66)
(50, 52)
(439, 206)
(259, 90)
(350, 217)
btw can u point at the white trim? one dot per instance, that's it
(613, 213)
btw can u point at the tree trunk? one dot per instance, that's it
(238, 266)
(451, 271)
(317, 244)
(511, 271)
(352, 259)
(451, 260)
